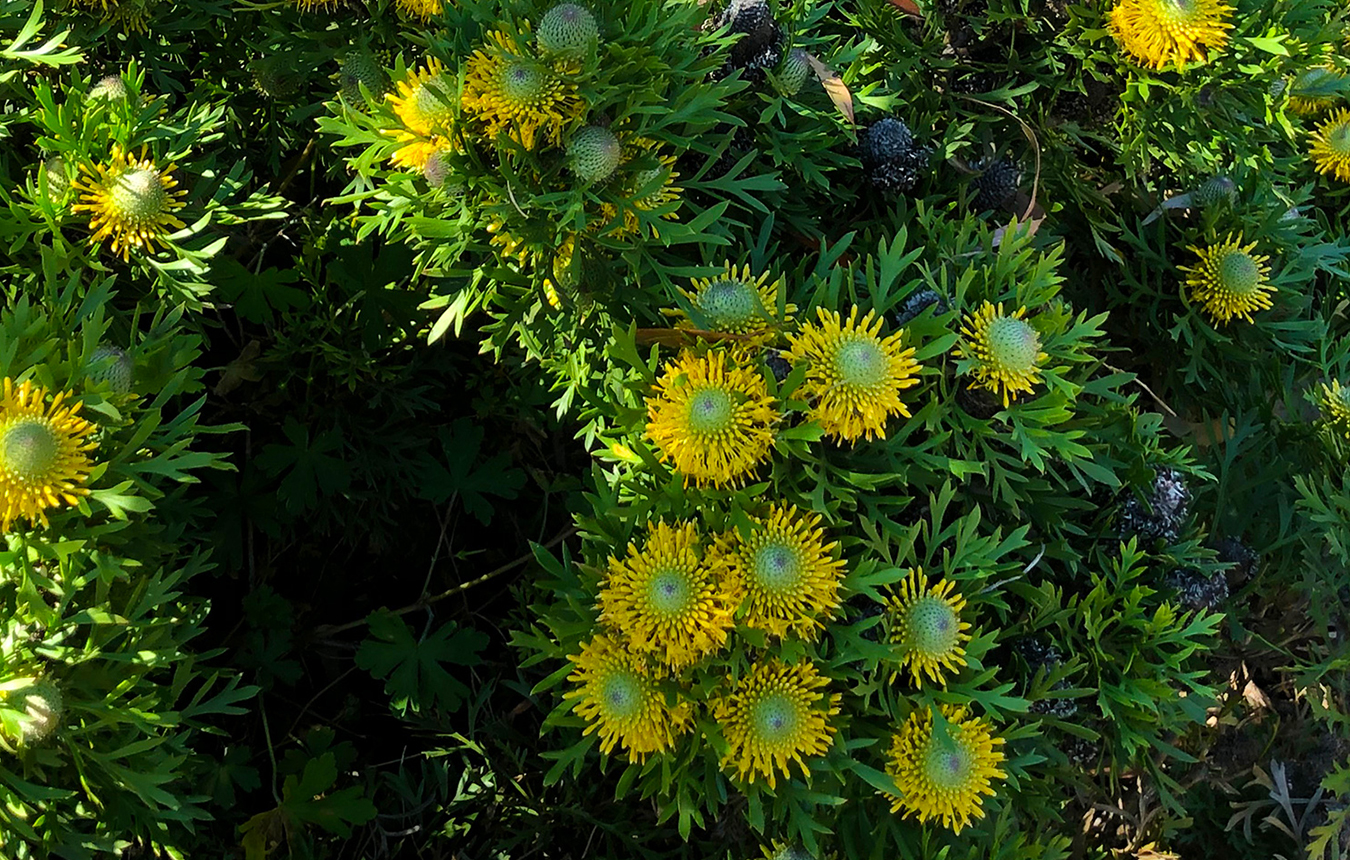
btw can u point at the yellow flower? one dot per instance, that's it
(855, 376)
(714, 422)
(1331, 146)
(514, 94)
(130, 201)
(1004, 351)
(775, 715)
(941, 774)
(670, 600)
(1334, 404)
(424, 103)
(1158, 32)
(733, 302)
(43, 453)
(316, 5)
(423, 9)
(623, 702)
(1312, 80)
(786, 572)
(926, 623)
(1230, 281)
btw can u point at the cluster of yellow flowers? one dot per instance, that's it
(675, 602)
(713, 417)
(523, 90)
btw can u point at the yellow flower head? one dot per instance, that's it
(43, 453)
(785, 570)
(1334, 404)
(1158, 32)
(1004, 349)
(1230, 281)
(926, 623)
(733, 302)
(623, 702)
(941, 774)
(514, 94)
(670, 600)
(855, 376)
(424, 103)
(1331, 146)
(775, 715)
(1302, 90)
(130, 201)
(424, 10)
(714, 422)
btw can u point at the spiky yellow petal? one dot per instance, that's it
(1330, 151)
(776, 715)
(854, 376)
(44, 452)
(670, 599)
(511, 92)
(620, 700)
(786, 572)
(1158, 32)
(1004, 351)
(130, 201)
(713, 421)
(926, 622)
(1229, 280)
(943, 773)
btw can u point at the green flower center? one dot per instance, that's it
(947, 766)
(523, 84)
(1176, 12)
(1238, 273)
(933, 626)
(1338, 138)
(860, 363)
(710, 411)
(774, 719)
(656, 176)
(1013, 344)
(669, 592)
(431, 100)
(777, 567)
(30, 448)
(622, 695)
(138, 194)
(729, 302)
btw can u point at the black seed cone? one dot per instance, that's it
(1235, 552)
(915, 304)
(761, 44)
(997, 181)
(1163, 512)
(891, 158)
(1197, 591)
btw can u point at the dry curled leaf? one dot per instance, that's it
(834, 87)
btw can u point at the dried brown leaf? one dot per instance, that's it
(834, 87)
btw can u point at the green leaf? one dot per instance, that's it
(464, 476)
(413, 670)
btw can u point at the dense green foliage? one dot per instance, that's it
(380, 318)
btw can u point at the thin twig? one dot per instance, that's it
(1144, 385)
(425, 601)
